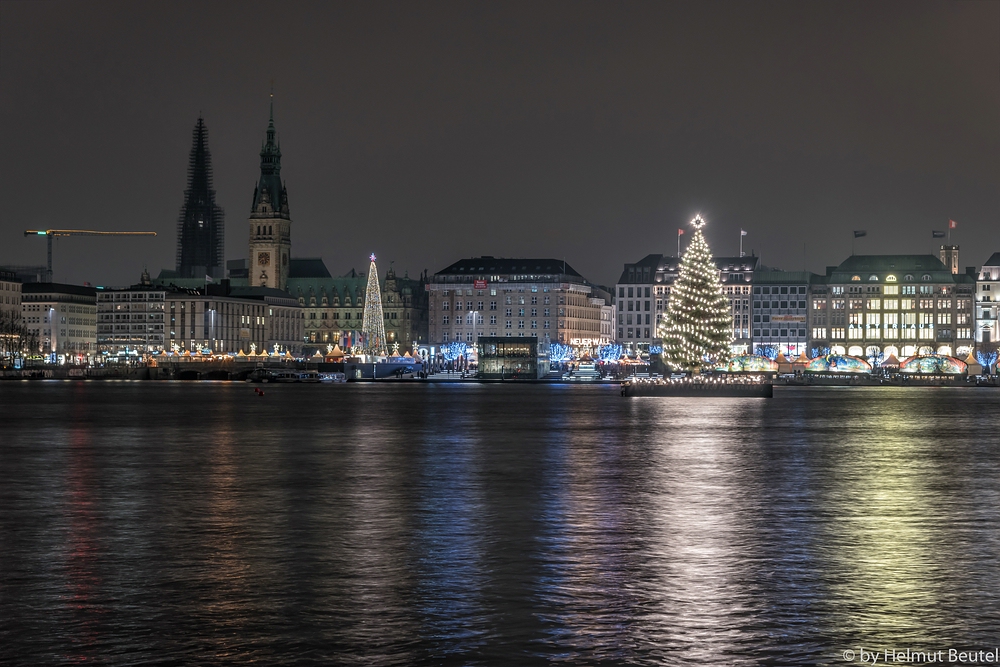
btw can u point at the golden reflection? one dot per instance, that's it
(884, 545)
(701, 502)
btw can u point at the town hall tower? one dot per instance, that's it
(270, 222)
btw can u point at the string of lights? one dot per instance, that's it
(373, 325)
(697, 329)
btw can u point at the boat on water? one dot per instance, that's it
(701, 389)
(333, 377)
(264, 375)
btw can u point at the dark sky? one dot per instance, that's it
(429, 132)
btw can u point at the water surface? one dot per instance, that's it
(394, 524)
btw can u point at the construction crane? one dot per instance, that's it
(50, 234)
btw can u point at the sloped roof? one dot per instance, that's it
(506, 266)
(994, 260)
(877, 263)
(307, 267)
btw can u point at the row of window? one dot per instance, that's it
(758, 289)
(779, 304)
(627, 319)
(633, 292)
(779, 333)
(639, 333)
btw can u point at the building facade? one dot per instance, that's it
(334, 306)
(10, 297)
(130, 321)
(988, 301)
(62, 317)
(780, 310)
(893, 304)
(515, 298)
(643, 292)
(270, 221)
(221, 319)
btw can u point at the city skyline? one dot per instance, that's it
(430, 134)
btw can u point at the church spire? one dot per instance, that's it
(200, 228)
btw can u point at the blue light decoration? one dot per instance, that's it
(656, 349)
(754, 363)
(769, 351)
(454, 350)
(819, 352)
(986, 359)
(610, 353)
(560, 352)
(835, 363)
(935, 364)
(876, 358)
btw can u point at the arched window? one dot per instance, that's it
(926, 276)
(908, 278)
(890, 279)
(855, 278)
(873, 277)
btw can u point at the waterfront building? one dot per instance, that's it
(270, 221)
(201, 226)
(10, 297)
(224, 319)
(893, 304)
(515, 298)
(988, 301)
(62, 317)
(502, 357)
(334, 306)
(780, 310)
(643, 291)
(130, 320)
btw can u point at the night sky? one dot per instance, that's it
(428, 132)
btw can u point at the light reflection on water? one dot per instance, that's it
(394, 524)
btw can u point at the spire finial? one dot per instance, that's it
(272, 100)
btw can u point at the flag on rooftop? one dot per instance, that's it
(858, 233)
(952, 224)
(679, 232)
(742, 233)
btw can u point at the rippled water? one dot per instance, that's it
(170, 523)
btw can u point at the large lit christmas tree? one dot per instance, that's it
(698, 329)
(373, 325)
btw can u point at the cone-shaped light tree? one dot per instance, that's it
(373, 325)
(698, 329)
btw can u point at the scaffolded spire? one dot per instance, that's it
(373, 326)
(200, 228)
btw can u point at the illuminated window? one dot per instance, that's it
(873, 277)
(890, 279)
(855, 278)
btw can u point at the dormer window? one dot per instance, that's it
(890, 279)
(908, 278)
(926, 276)
(873, 278)
(855, 278)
